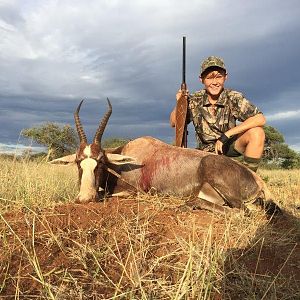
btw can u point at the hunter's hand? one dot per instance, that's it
(181, 93)
(220, 142)
(219, 147)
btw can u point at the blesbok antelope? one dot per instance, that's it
(213, 182)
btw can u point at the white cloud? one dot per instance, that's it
(64, 47)
(19, 149)
(296, 147)
(284, 115)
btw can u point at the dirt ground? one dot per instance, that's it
(61, 243)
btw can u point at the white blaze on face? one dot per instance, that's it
(87, 184)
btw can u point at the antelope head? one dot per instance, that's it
(92, 161)
(90, 158)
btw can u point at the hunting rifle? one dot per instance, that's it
(181, 108)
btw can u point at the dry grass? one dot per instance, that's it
(139, 248)
(31, 184)
(285, 186)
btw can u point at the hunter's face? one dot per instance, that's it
(214, 82)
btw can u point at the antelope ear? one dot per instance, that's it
(65, 160)
(119, 159)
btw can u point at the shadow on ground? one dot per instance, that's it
(268, 266)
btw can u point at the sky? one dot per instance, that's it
(55, 53)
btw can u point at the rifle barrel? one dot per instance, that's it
(183, 60)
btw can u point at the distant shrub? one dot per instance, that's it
(114, 142)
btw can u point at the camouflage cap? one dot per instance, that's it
(212, 61)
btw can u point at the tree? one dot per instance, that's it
(279, 152)
(273, 135)
(273, 139)
(59, 139)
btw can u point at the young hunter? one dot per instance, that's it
(214, 111)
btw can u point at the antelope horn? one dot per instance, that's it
(102, 125)
(80, 131)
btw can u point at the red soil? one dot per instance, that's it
(61, 238)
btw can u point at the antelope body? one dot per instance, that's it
(213, 182)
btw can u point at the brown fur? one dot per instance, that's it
(233, 181)
(172, 170)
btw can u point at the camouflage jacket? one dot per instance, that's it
(211, 121)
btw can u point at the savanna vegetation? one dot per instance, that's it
(59, 140)
(141, 247)
(277, 153)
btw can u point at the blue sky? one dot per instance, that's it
(55, 53)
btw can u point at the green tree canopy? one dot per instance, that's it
(273, 135)
(279, 152)
(59, 139)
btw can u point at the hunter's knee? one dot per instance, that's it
(257, 134)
